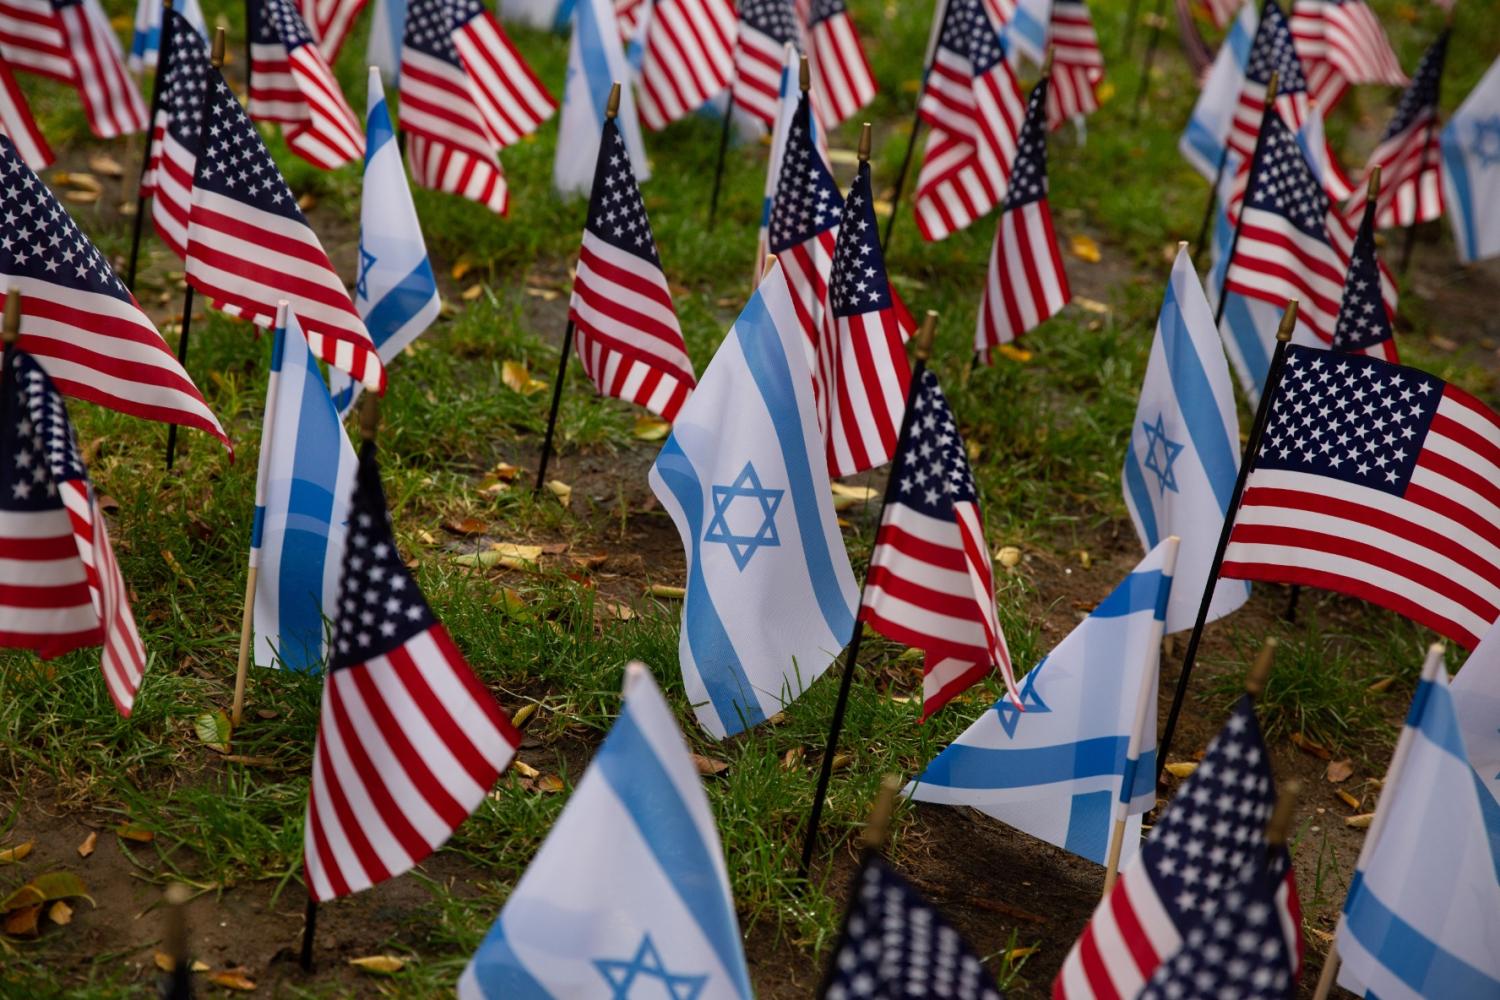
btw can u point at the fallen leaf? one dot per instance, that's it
(461, 267)
(845, 497)
(1347, 799)
(44, 889)
(101, 163)
(1105, 91)
(589, 561)
(561, 490)
(81, 197)
(505, 472)
(233, 979)
(1381, 685)
(1084, 559)
(523, 715)
(517, 378)
(213, 730)
(1181, 768)
(1443, 343)
(1085, 248)
(60, 913)
(465, 526)
(1013, 353)
(87, 847)
(516, 556)
(792, 759)
(139, 834)
(524, 769)
(471, 293)
(707, 766)
(381, 965)
(11, 855)
(545, 294)
(666, 591)
(1015, 954)
(841, 761)
(1360, 822)
(1309, 747)
(307, 202)
(649, 428)
(1091, 305)
(843, 157)
(22, 922)
(1009, 556)
(164, 962)
(619, 612)
(1339, 770)
(549, 784)
(176, 568)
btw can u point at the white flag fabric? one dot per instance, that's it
(383, 50)
(547, 15)
(1471, 169)
(1184, 453)
(596, 60)
(1202, 143)
(629, 895)
(396, 292)
(1026, 30)
(302, 492)
(145, 39)
(1420, 921)
(1476, 699)
(770, 595)
(1083, 751)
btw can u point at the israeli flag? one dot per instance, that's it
(302, 492)
(1184, 453)
(1082, 754)
(1471, 170)
(1202, 144)
(770, 595)
(628, 896)
(383, 49)
(1476, 699)
(1025, 33)
(396, 293)
(1422, 919)
(547, 15)
(145, 40)
(596, 61)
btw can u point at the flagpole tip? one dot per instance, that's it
(1279, 828)
(770, 263)
(11, 331)
(1436, 649)
(1260, 670)
(864, 143)
(221, 42)
(926, 335)
(1271, 88)
(1288, 322)
(612, 106)
(804, 75)
(1182, 246)
(369, 416)
(1374, 189)
(878, 828)
(166, 5)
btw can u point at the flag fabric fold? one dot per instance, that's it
(17, 123)
(1077, 63)
(291, 84)
(1340, 43)
(1476, 702)
(1408, 155)
(176, 132)
(1471, 169)
(630, 885)
(330, 22)
(72, 41)
(1364, 321)
(842, 82)
(687, 57)
(596, 61)
(764, 28)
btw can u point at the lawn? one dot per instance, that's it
(1046, 430)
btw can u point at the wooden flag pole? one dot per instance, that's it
(851, 659)
(163, 56)
(175, 940)
(611, 109)
(1252, 448)
(713, 199)
(1234, 242)
(217, 59)
(877, 829)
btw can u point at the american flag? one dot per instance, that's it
(628, 337)
(1201, 855)
(466, 94)
(841, 79)
(16, 122)
(80, 323)
(973, 105)
(862, 369)
(1408, 154)
(72, 41)
(409, 740)
(1077, 63)
(184, 73)
(330, 22)
(805, 224)
(1388, 495)
(1364, 325)
(895, 945)
(290, 83)
(249, 246)
(1027, 283)
(765, 28)
(931, 584)
(1340, 43)
(60, 588)
(688, 57)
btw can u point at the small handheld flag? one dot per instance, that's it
(146, 39)
(291, 83)
(1471, 169)
(596, 59)
(687, 57)
(1364, 324)
(842, 82)
(1408, 155)
(72, 41)
(1340, 43)
(1077, 63)
(764, 28)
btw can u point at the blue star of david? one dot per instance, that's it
(1161, 452)
(366, 261)
(621, 974)
(1487, 140)
(746, 485)
(1010, 715)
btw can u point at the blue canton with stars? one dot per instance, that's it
(646, 965)
(37, 448)
(807, 199)
(429, 30)
(822, 10)
(235, 163)
(1350, 417)
(932, 471)
(744, 501)
(1362, 321)
(772, 18)
(380, 607)
(1031, 703)
(277, 22)
(1420, 100)
(1283, 183)
(1161, 452)
(617, 215)
(1028, 178)
(1273, 50)
(858, 283)
(184, 87)
(969, 34)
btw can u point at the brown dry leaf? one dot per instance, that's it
(11, 855)
(505, 472)
(620, 612)
(163, 961)
(1442, 343)
(549, 784)
(380, 965)
(561, 490)
(1339, 770)
(841, 761)
(1360, 822)
(233, 979)
(465, 525)
(1016, 954)
(545, 294)
(1309, 747)
(85, 182)
(649, 428)
(139, 834)
(471, 293)
(1181, 768)
(1085, 248)
(843, 157)
(1084, 559)
(176, 568)
(22, 922)
(60, 913)
(461, 267)
(517, 378)
(81, 197)
(87, 847)
(666, 591)
(1349, 800)
(1381, 685)
(1013, 353)
(593, 561)
(250, 760)
(513, 556)
(101, 163)
(1091, 305)
(126, 208)
(524, 769)
(845, 497)
(308, 202)
(792, 759)
(1321, 935)
(707, 766)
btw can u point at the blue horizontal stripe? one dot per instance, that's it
(962, 766)
(1203, 141)
(401, 303)
(1432, 714)
(1140, 591)
(1407, 953)
(1135, 484)
(1089, 826)
(1247, 338)
(499, 970)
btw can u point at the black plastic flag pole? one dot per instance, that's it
(163, 56)
(1234, 242)
(1252, 449)
(713, 199)
(179, 984)
(1157, 18)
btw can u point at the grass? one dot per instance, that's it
(1047, 434)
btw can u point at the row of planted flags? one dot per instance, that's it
(1365, 477)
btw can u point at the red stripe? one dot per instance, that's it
(38, 548)
(408, 757)
(440, 716)
(332, 789)
(407, 839)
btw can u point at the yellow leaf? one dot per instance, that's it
(1091, 305)
(883, 206)
(845, 497)
(666, 591)
(21, 922)
(911, 86)
(87, 847)
(1016, 954)
(11, 855)
(102, 163)
(233, 979)
(842, 761)
(81, 197)
(510, 553)
(549, 784)
(381, 965)
(461, 267)
(561, 490)
(517, 378)
(1360, 822)
(1347, 799)
(1009, 556)
(471, 293)
(60, 913)
(1020, 355)
(176, 568)
(1105, 91)
(1085, 248)
(649, 428)
(308, 202)
(843, 157)
(524, 769)
(1181, 768)
(139, 834)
